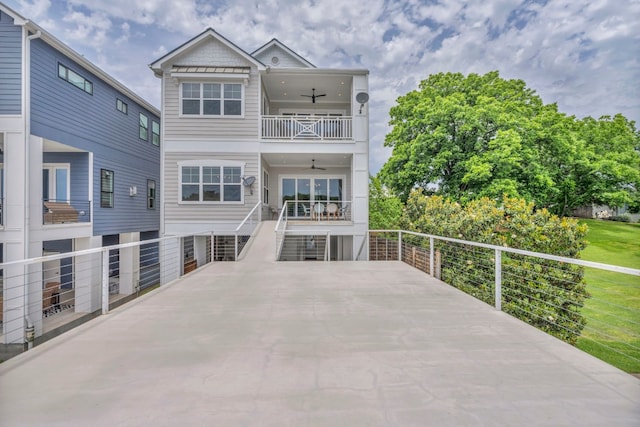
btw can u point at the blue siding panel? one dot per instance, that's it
(10, 66)
(64, 113)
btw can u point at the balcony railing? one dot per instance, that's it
(65, 211)
(314, 128)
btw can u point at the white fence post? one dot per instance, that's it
(105, 281)
(498, 274)
(236, 246)
(399, 245)
(431, 257)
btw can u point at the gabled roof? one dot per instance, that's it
(209, 33)
(48, 38)
(282, 46)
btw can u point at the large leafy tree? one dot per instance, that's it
(483, 136)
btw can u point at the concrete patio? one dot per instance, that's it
(260, 343)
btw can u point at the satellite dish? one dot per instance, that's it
(362, 98)
(247, 181)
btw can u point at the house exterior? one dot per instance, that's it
(79, 169)
(265, 129)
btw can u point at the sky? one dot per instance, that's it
(582, 55)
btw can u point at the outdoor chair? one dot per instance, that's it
(318, 210)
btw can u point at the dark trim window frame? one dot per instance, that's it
(265, 187)
(122, 106)
(151, 194)
(212, 99)
(143, 132)
(106, 188)
(155, 133)
(75, 79)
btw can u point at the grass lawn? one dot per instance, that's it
(613, 311)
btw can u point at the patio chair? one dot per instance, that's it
(306, 209)
(318, 210)
(332, 210)
(343, 211)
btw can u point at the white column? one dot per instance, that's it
(86, 270)
(129, 263)
(170, 259)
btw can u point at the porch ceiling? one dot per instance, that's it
(49, 146)
(283, 87)
(303, 160)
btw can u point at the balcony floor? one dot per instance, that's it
(311, 344)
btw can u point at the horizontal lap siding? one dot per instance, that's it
(202, 127)
(208, 212)
(64, 113)
(10, 66)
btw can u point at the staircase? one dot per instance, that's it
(303, 248)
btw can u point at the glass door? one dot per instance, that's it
(304, 192)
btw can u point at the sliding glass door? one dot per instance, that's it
(303, 192)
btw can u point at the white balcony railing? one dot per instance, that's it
(307, 128)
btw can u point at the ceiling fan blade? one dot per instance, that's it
(318, 96)
(307, 96)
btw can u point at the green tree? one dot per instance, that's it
(385, 209)
(483, 136)
(544, 293)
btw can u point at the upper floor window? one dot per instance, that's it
(212, 99)
(75, 79)
(210, 183)
(122, 106)
(144, 127)
(106, 188)
(155, 132)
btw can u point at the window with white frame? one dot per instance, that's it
(212, 99)
(56, 185)
(210, 184)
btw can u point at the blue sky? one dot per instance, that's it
(582, 55)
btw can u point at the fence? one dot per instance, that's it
(585, 303)
(45, 296)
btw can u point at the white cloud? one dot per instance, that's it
(584, 56)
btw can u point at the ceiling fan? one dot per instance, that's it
(313, 95)
(314, 167)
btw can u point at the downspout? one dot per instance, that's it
(30, 329)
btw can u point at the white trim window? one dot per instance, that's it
(212, 99)
(56, 186)
(210, 183)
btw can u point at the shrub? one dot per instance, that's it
(621, 218)
(547, 294)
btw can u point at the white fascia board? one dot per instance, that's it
(319, 71)
(210, 75)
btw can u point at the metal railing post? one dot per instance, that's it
(498, 274)
(399, 245)
(431, 257)
(213, 247)
(105, 281)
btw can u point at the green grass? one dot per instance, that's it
(613, 311)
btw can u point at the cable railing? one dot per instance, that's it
(559, 295)
(45, 296)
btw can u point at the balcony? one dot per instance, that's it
(307, 128)
(66, 211)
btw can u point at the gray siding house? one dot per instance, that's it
(265, 131)
(79, 169)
